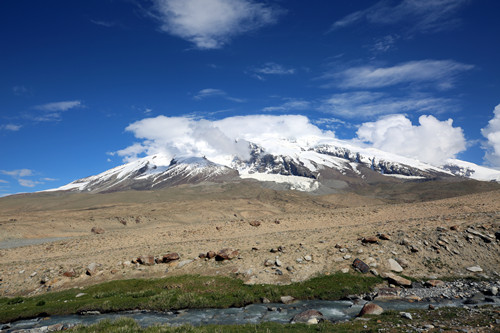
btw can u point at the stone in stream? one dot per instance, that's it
(434, 283)
(287, 299)
(371, 309)
(361, 266)
(307, 316)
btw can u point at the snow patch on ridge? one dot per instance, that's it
(295, 182)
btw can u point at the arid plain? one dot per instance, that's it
(433, 229)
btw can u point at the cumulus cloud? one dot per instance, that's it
(492, 135)
(367, 104)
(431, 141)
(441, 73)
(423, 16)
(218, 140)
(210, 24)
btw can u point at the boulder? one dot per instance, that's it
(287, 299)
(396, 279)
(371, 309)
(475, 269)
(434, 283)
(226, 254)
(394, 266)
(146, 260)
(306, 316)
(370, 240)
(403, 262)
(384, 237)
(92, 269)
(211, 254)
(97, 230)
(172, 256)
(71, 273)
(361, 266)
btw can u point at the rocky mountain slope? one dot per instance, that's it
(320, 167)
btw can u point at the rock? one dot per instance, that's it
(474, 269)
(497, 235)
(278, 272)
(146, 260)
(184, 263)
(268, 263)
(370, 240)
(394, 266)
(403, 262)
(361, 266)
(374, 272)
(485, 238)
(431, 307)
(494, 291)
(172, 256)
(455, 228)
(413, 298)
(405, 241)
(406, 315)
(345, 270)
(80, 295)
(254, 223)
(211, 254)
(71, 273)
(55, 328)
(307, 258)
(434, 283)
(202, 255)
(347, 257)
(278, 263)
(287, 299)
(97, 230)
(290, 268)
(265, 300)
(33, 274)
(306, 316)
(384, 237)
(92, 269)
(371, 309)
(226, 254)
(389, 293)
(396, 279)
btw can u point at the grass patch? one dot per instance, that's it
(179, 292)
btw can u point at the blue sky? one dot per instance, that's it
(76, 74)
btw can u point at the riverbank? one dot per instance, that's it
(180, 292)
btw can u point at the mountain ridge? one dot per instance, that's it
(306, 167)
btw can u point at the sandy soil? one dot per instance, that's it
(195, 220)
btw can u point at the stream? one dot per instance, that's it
(251, 314)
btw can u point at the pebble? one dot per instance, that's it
(406, 315)
(307, 258)
(346, 257)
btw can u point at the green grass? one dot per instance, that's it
(180, 292)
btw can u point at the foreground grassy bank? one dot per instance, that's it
(180, 292)
(483, 319)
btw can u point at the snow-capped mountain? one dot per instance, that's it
(295, 165)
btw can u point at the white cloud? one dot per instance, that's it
(3, 181)
(272, 68)
(366, 104)
(106, 24)
(10, 127)
(432, 141)
(28, 182)
(59, 106)
(423, 16)
(385, 44)
(210, 92)
(18, 173)
(492, 134)
(210, 24)
(217, 140)
(440, 73)
(289, 106)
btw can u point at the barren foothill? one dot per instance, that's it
(308, 235)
